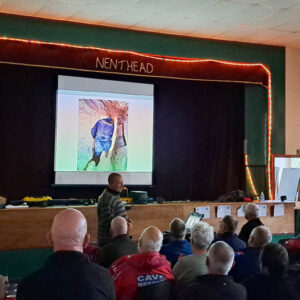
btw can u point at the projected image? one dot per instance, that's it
(103, 126)
(102, 135)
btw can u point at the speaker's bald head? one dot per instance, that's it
(115, 182)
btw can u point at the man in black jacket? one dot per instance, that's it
(252, 215)
(68, 274)
(216, 284)
(120, 245)
(273, 282)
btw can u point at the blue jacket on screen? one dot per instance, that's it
(102, 132)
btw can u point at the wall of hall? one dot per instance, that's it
(255, 112)
(292, 107)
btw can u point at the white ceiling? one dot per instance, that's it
(272, 22)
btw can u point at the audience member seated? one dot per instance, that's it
(145, 268)
(249, 262)
(294, 272)
(273, 283)
(292, 245)
(216, 284)
(227, 234)
(179, 247)
(68, 274)
(190, 266)
(120, 245)
(93, 252)
(252, 215)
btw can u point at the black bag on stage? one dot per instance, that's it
(234, 196)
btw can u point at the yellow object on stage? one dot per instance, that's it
(37, 199)
(126, 199)
(125, 195)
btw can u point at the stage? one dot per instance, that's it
(26, 228)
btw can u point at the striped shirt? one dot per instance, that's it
(109, 207)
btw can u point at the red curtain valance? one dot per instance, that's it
(60, 55)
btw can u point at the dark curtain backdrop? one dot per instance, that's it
(198, 136)
(199, 139)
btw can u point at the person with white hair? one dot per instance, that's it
(68, 274)
(249, 263)
(190, 266)
(120, 245)
(252, 215)
(216, 284)
(179, 246)
(148, 267)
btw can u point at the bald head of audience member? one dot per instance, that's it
(115, 182)
(177, 228)
(118, 227)
(69, 231)
(150, 240)
(251, 211)
(260, 236)
(220, 258)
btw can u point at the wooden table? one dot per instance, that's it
(26, 228)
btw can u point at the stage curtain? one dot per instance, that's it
(199, 134)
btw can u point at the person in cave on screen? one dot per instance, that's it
(102, 133)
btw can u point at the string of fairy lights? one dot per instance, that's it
(186, 60)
